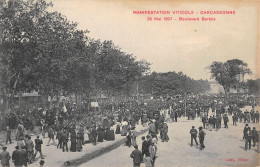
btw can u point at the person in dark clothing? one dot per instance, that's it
(128, 139)
(94, 135)
(204, 120)
(175, 116)
(246, 128)
(73, 141)
(51, 136)
(149, 140)
(193, 133)
(65, 139)
(29, 148)
(15, 157)
(137, 156)
(226, 120)
(38, 147)
(219, 120)
(255, 136)
(58, 136)
(100, 133)
(81, 132)
(112, 134)
(201, 137)
(248, 137)
(210, 121)
(214, 121)
(145, 147)
(78, 142)
(23, 158)
(118, 129)
(234, 118)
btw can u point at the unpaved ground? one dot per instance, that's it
(223, 148)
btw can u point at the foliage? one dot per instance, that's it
(170, 84)
(226, 73)
(254, 86)
(43, 51)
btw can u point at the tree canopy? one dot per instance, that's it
(43, 51)
(171, 84)
(227, 73)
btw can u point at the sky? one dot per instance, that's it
(187, 46)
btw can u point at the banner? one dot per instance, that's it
(94, 104)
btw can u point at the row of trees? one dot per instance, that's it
(43, 51)
(170, 84)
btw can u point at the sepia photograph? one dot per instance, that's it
(129, 83)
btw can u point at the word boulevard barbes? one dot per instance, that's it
(197, 19)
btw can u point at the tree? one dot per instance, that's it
(226, 74)
(34, 48)
(43, 51)
(254, 86)
(116, 70)
(171, 83)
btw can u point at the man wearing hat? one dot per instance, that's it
(226, 120)
(152, 129)
(255, 136)
(38, 147)
(5, 157)
(193, 133)
(145, 147)
(201, 137)
(137, 157)
(29, 148)
(15, 157)
(246, 128)
(65, 139)
(153, 151)
(23, 158)
(94, 135)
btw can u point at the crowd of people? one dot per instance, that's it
(72, 127)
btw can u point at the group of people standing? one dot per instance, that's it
(201, 135)
(24, 153)
(249, 135)
(147, 154)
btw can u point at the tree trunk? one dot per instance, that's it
(14, 88)
(6, 104)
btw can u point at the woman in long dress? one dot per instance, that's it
(124, 128)
(118, 128)
(128, 139)
(79, 142)
(112, 134)
(100, 132)
(73, 141)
